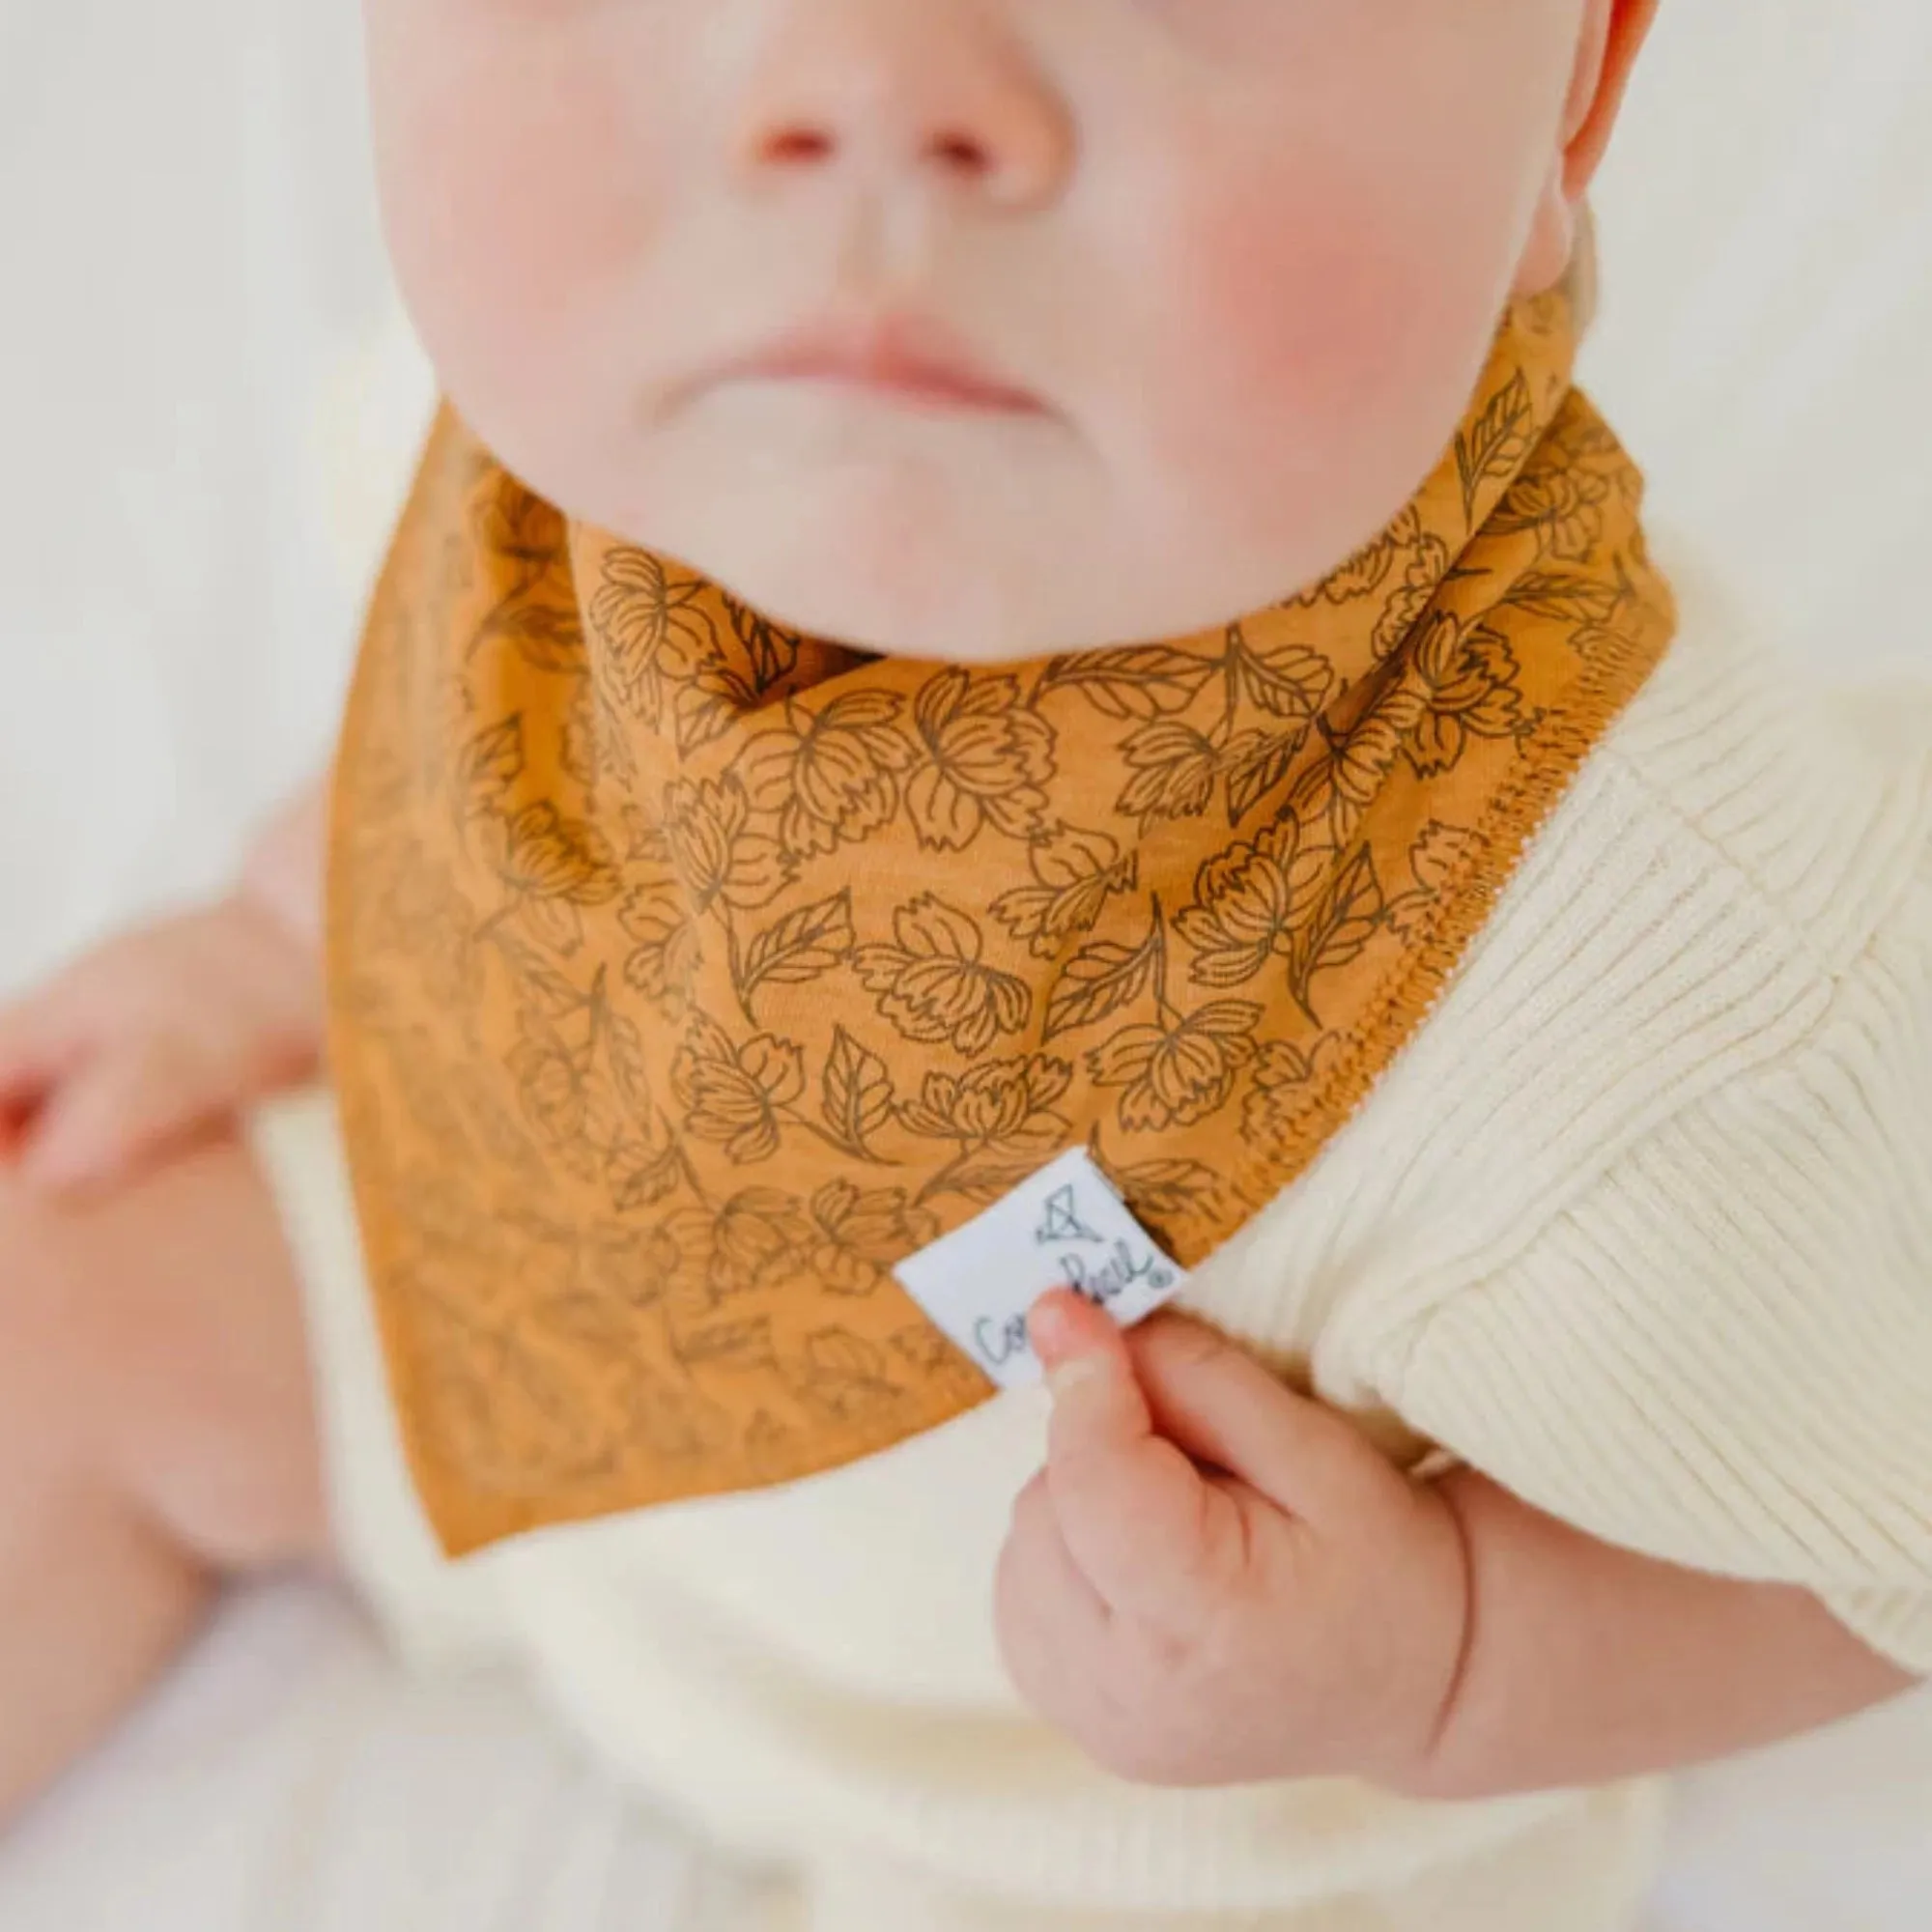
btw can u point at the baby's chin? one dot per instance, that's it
(928, 601)
(916, 566)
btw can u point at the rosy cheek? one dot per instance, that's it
(506, 211)
(1330, 341)
(1295, 312)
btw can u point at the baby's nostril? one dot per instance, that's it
(803, 145)
(797, 146)
(961, 154)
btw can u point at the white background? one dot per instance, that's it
(206, 407)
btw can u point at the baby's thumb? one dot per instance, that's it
(1128, 1503)
(1096, 1401)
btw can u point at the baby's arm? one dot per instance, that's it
(1584, 1662)
(1718, 1355)
(166, 1031)
(1215, 1580)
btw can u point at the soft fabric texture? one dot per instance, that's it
(1585, 1871)
(688, 974)
(1640, 1223)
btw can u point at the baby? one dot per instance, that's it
(1011, 583)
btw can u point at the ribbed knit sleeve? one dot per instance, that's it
(1722, 1352)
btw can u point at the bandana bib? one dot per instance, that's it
(688, 975)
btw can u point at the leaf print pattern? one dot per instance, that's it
(536, 612)
(987, 759)
(543, 854)
(1176, 1075)
(1286, 681)
(772, 650)
(1005, 1118)
(490, 764)
(1008, 1104)
(846, 1373)
(688, 972)
(857, 1095)
(933, 984)
(1255, 763)
(1472, 675)
(736, 1095)
(1151, 682)
(1074, 876)
(1564, 508)
(656, 627)
(757, 1236)
(804, 946)
(722, 859)
(1176, 770)
(1344, 921)
(1100, 980)
(665, 957)
(863, 1232)
(1251, 901)
(1441, 854)
(833, 778)
(1427, 565)
(1496, 443)
(1181, 1201)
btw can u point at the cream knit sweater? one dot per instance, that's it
(1640, 1224)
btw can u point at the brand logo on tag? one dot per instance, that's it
(1065, 1227)
(1063, 1222)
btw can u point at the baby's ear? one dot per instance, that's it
(1613, 35)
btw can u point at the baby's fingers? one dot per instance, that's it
(40, 1044)
(1149, 1532)
(1230, 1413)
(116, 1111)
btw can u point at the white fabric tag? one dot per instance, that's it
(1065, 1227)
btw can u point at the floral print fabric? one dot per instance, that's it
(688, 973)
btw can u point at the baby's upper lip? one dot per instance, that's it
(911, 357)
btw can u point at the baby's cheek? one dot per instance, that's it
(1326, 349)
(1304, 330)
(1293, 333)
(508, 213)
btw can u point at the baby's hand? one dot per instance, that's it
(157, 1036)
(1216, 1581)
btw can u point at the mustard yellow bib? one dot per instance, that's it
(686, 973)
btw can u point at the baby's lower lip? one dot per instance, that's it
(922, 388)
(881, 366)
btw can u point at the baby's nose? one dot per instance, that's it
(932, 88)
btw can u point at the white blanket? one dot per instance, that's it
(206, 407)
(289, 1778)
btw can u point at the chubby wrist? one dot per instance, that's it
(1587, 1663)
(1424, 1761)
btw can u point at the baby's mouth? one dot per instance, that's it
(903, 359)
